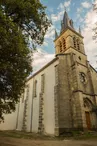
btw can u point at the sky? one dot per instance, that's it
(82, 14)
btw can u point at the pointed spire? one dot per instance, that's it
(79, 30)
(62, 26)
(71, 23)
(56, 34)
(65, 15)
(65, 20)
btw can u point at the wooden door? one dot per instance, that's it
(88, 121)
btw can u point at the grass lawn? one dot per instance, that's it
(35, 136)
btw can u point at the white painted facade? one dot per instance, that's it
(15, 120)
(10, 121)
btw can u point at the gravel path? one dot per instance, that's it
(8, 141)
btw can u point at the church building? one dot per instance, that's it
(61, 96)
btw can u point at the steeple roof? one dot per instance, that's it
(79, 30)
(56, 34)
(66, 22)
(65, 19)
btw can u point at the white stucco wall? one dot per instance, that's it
(30, 83)
(21, 109)
(10, 121)
(49, 117)
(35, 109)
(33, 104)
(20, 115)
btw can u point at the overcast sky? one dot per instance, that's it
(81, 11)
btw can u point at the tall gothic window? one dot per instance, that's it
(23, 96)
(64, 44)
(60, 46)
(42, 83)
(27, 92)
(82, 77)
(56, 74)
(78, 46)
(35, 88)
(74, 42)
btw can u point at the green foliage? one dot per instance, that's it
(15, 64)
(19, 21)
(30, 17)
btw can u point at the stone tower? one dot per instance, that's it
(69, 39)
(74, 93)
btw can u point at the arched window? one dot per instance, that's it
(42, 83)
(27, 92)
(60, 46)
(74, 42)
(83, 77)
(87, 103)
(78, 46)
(64, 44)
(35, 88)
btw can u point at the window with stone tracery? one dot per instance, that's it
(82, 77)
(56, 74)
(27, 92)
(74, 42)
(87, 103)
(42, 83)
(78, 46)
(60, 46)
(64, 44)
(23, 94)
(35, 88)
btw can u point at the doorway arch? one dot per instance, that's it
(88, 105)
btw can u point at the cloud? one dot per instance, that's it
(73, 4)
(45, 43)
(65, 5)
(90, 45)
(51, 9)
(95, 5)
(81, 19)
(57, 17)
(79, 10)
(86, 5)
(40, 58)
(50, 33)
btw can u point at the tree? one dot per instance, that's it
(19, 20)
(30, 17)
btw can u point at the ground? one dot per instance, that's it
(8, 141)
(28, 139)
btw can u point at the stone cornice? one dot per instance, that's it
(82, 64)
(75, 50)
(42, 68)
(71, 30)
(90, 94)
